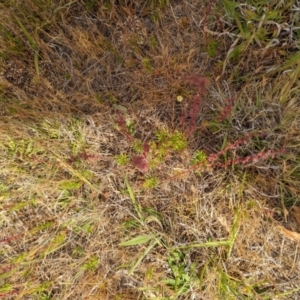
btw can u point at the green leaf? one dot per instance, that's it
(206, 245)
(272, 15)
(70, 185)
(148, 249)
(142, 239)
(134, 202)
(120, 108)
(27, 34)
(230, 7)
(291, 62)
(36, 64)
(33, 45)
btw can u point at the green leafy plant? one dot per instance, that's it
(172, 141)
(122, 159)
(150, 182)
(212, 48)
(147, 65)
(177, 141)
(181, 278)
(70, 185)
(91, 264)
(198, 158)
(167, 142)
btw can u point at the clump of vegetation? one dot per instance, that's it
(149, 149)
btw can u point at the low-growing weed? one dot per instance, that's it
(198, 158)
(91, 264)
(150, 183)
(183, 276)
(122, 159)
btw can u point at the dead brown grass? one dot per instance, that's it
(66, 72)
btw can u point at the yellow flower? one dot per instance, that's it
(179, 98)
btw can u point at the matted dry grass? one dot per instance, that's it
(86, 86)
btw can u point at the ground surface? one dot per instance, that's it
(149, 149)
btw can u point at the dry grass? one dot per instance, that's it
(88, 96)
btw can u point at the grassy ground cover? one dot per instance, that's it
(149, 149)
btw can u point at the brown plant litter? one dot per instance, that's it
(149, 150)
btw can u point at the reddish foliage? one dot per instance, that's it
(201, 83)
(141, 161)
(226, 111)
(6, 269)
(9, 293)
(146, 149)
(83, 156)
(250, 158)
(194, 111)
(207, 13)
(122, 126)
(212, 159)
(241, 141)
(8, 239)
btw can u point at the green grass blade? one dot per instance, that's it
(233, 233)
(133, 200)
(204, 245)
(74, 172)
(33, 45)
(142, 239)
(36, 64)
(149, 248)
(28, 36)
(230, 7)
(285, 91)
